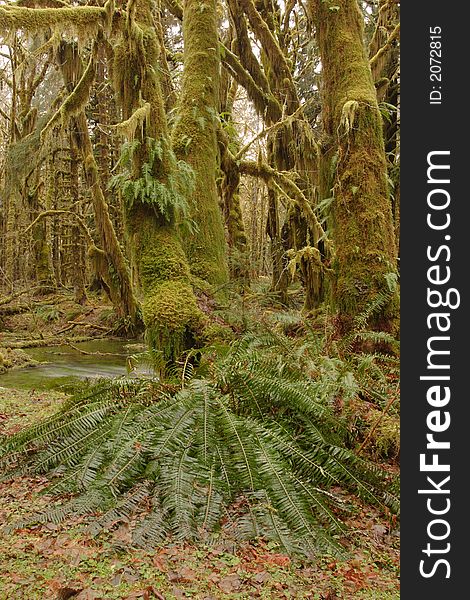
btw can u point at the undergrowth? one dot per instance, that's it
(246, 441)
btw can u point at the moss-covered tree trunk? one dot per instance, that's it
(195, 141)
(44, 272)
(110, 259)
(160, 268)
(79, 261)
(361, 212)
(384, 53)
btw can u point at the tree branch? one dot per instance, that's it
(275, 55)
(263, 170)
(51, 213)
(265, 103)
(82, 18)
(391, 38)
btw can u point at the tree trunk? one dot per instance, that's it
(79, 261)
(116, 275)
(195, 141)
(160, 268)
(365, 261)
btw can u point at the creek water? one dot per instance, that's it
(62, 365)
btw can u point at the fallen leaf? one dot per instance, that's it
(229, 584)
(87, 594)
(281, 560)
(379, 531)
(159, 564)
(64, 593)
(184, 575)
(262, 577)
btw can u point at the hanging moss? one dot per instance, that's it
(128, 127)
(76, 101)
(194, 138)
(80, 20)
(160, 267)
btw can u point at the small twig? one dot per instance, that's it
(377, 423)
(97, 353)
(51, 213)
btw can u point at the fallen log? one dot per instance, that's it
(18, 309)
(49, 341)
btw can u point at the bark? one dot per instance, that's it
(160, 268)
(195, 141)
(362, 224)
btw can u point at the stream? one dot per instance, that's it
(62, 365)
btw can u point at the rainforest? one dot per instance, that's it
(199, 299)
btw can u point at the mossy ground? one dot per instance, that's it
(39, 561)
(57, 314)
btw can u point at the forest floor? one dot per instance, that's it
(54, 317)
(50, 561)
(57, 562)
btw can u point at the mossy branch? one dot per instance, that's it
(76, 101)
(277, 60)
(244, 45)
(81, 19)
(265, 103)
(11, 297)
(53, 213)
(175, 9)
(128, 127)
(391, 38)
(294, 193)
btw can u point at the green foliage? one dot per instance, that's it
(48, 312)
(246, 444)
(168, 196)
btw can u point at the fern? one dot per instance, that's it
(168, 196)
(251, 450)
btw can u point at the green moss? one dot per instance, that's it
(361, 216)
(83, 20)
(162, 258)
(14, 359)
(217, 332)
(172, 307)
(169, 308)
(80, 96)
(171, 317)
(194, 139)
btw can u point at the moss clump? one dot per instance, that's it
(171, 316)
(169, 308)
(162, 258)
(14, 359)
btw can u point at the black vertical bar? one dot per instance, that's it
(434, 118)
